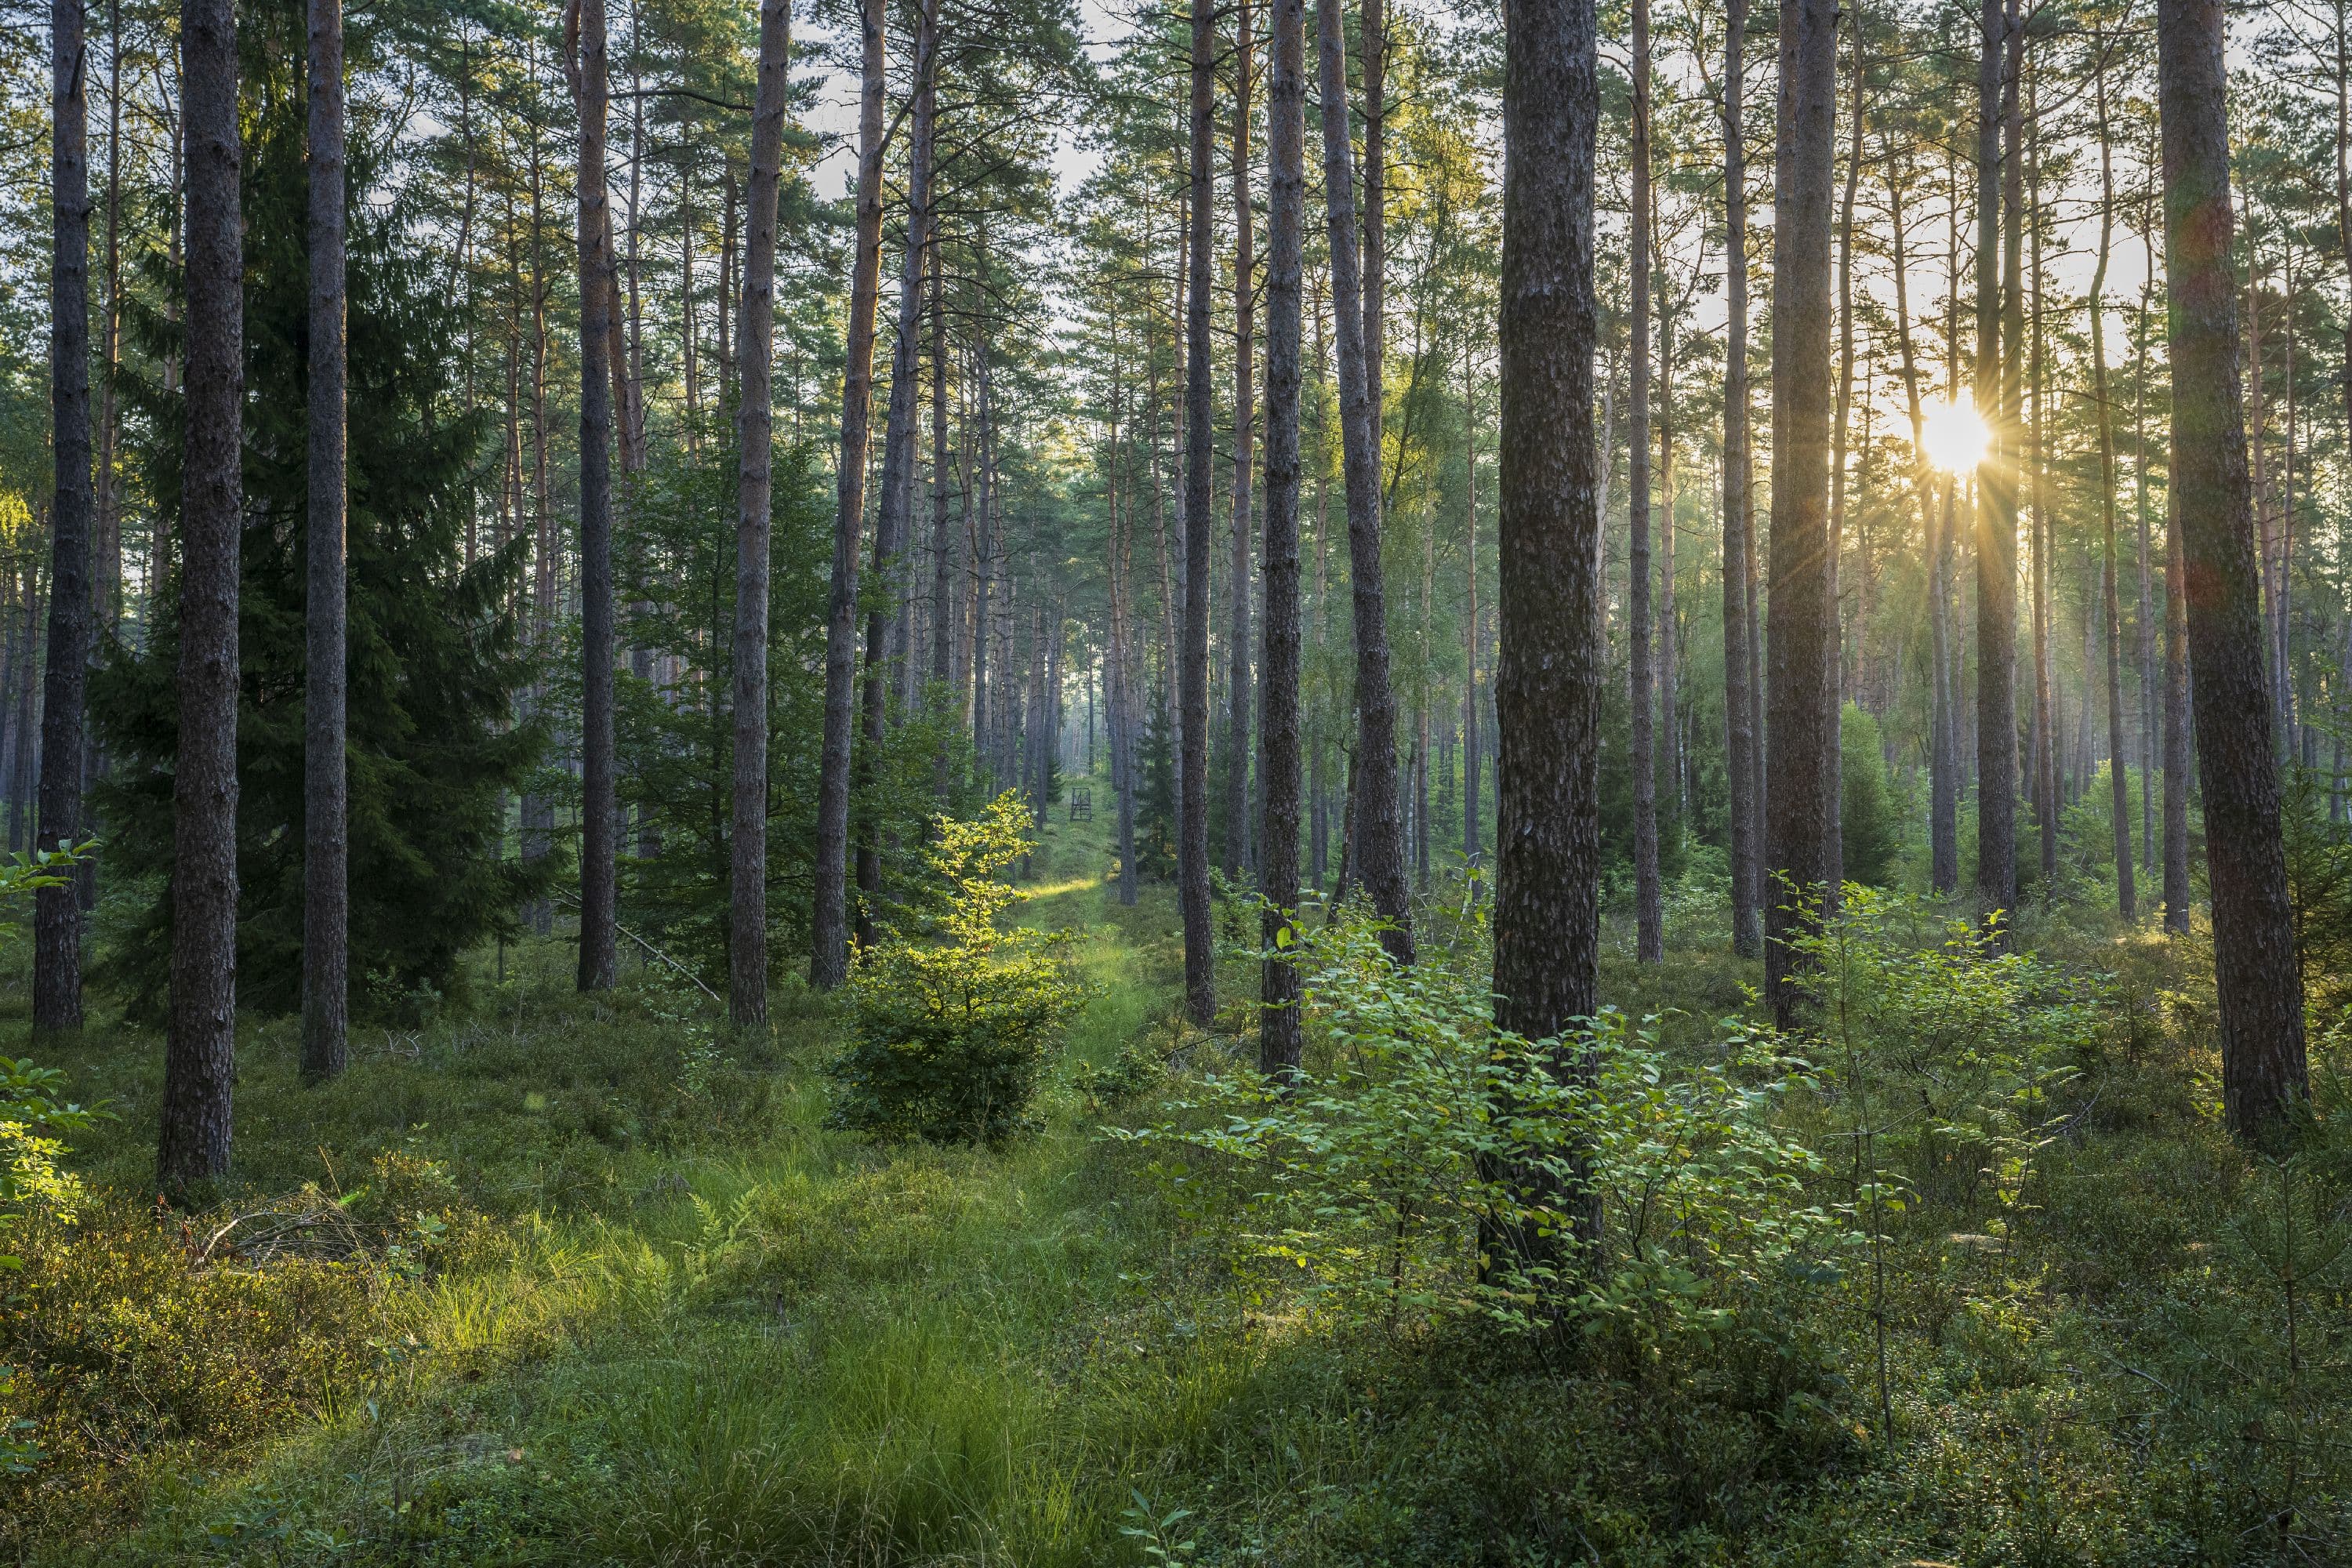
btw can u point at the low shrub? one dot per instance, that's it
(954, 1023)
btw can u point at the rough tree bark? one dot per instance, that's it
(599, 811)
(1192, 827)
(829, 921)
(326, 809)
(199, 1057)
(1799, 811)
(1550, 666)
(1237, 728)
(1377, 843)
(1280, 1040)
(746, 903)
(2256, 976)
(57, 921)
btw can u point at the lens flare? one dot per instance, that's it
(1954, 438)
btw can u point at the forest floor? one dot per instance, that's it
(560, 1280)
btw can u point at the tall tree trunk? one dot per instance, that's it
(1550, 666)
(1650, 945)
(2177, 738)
(599, 810)
(199, 1060)
(829, 921)
(1473, 835)
(746, 901)
(108, 499)
(1801, 811)
(2046, 802)
(1372, 23)
(1192, 660)
(57, 940)
(1379, 825)
(2256, 975)
(894, 524)
(2146, 625)
(1238, 734)
(1996, 548)
(1833, 856)
(1669, 729)
(2119, 776)
(1738, 670)
(326, 832)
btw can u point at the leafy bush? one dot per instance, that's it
(1365, 1185)
(954, 1022)
(1946, 1051)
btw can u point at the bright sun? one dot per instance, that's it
(1954, 436)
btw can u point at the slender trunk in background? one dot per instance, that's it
(2146, 625)
(1669, 726)
(1378, 844)
(1650, 945)
(2177, 740)
(1738, 670)
(599, 813)
(1237, 730)
(1995, 545)
(1372, 23)
(943, 574)
(57, 928)
(1192, 660)
(1550, 664)
(2256, 975)
(108, 499)
(894, 521)
(1473, 835)
(747, 898)
(326, 831)
(1933, 525)
(1834, 863)
(829, 921)
(1800, 812)
(2119, 776)
(1281, 1040)
(199, 1057)
(2044, 761)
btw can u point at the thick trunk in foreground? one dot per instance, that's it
(829, 921)
(747, 902)
(1192, 660)
(1550, 668)
(56, 924)
(1799, 811)
(199, 1058)
(1378, 838)
(2258, 980)
(1280, 1038)
(326, 827)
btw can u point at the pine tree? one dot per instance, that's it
(436, 646)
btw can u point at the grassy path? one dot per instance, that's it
(674, 1318)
